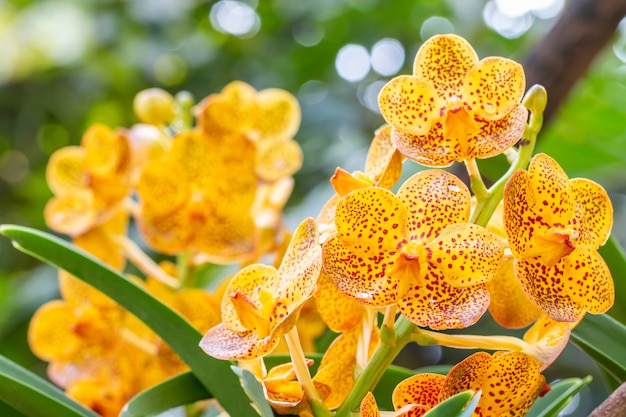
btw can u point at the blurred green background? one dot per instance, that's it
(65, 64)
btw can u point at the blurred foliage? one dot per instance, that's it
(67, 64)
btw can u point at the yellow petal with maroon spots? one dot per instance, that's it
(50, 334)
(228, 111)
(222, 343)
(410, 105)
(225, 235)
(368, 407)
(78, 293)
(247, 282)
(435, 199)
(370, 220)
(199, 307)
(279, 114)
(191, 153)
(102, 244)
(277, 158)
(107, 152)
(510, 307)
(494, 87)
(423, 389)
(384, 162)
(168, 232)
(444, 60)
(579, 282)
(552, 197)
(301, 264)
(546, 338)
(340, 312)
(466, 254)
(440, 306)
(66, 172)
(594, 212)
(509, 381)
(326, 218)
(160, 189)
(432, 149)
(71, 214)
(494, 137)
(518, 216)
(360, 276)
(468, 374)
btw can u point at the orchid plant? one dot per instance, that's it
(381, 266)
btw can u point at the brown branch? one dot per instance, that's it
(614, 406)
(565, 53)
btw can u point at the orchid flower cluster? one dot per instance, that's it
(381, 266)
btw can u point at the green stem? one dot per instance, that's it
(535, 101)
(183, 269)
(476, 180)
(376, 367)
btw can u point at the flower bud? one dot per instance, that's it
(154, 106)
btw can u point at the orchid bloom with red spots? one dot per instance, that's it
(414, 249)
(262, 303)
(555, 226)
(455, 107)
(510, 383)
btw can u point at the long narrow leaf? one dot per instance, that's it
(458, 405)
(181, 336)
(255, 391)
(561, 393)
(32, 396)
(180, 390)
(602, 337)
(615, 258)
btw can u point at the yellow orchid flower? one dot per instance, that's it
(383, 168)
(88, 181)
(455, 107)
(555, 226)
(262, 303)
(414, 250)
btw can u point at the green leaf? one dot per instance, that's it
(615, 258)
(181, 336)
(561, 393)
(32, 396)
(602, 337)
(179, 390)
(255, 391)
(458, 405)
(7, 410)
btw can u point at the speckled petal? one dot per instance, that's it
(277, 158)
(518, 217)
(160, 188)
(222, 343)
(435, 199)
(444, 60)
(410, 105)
(494, 87)
(168, 232)
(50, 334)
(362, 277)
(466, 254)
(431, 149)
(278, 114)
(301, 265)
(66, 172)
(510, 307)
(107, 152)
(228, 111)
(71, 214)
(422, 389)
(440, 306)
(339, 312)
(509, 381)
(494, 137)
(368, 407)
(247, 281)
(594, 212)
(468, 374)
(370, 220)
(552, 195)
(326, 218)
(384, 162)
(579, 282)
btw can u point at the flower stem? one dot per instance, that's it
(463, 341)
(476, 180)
(535, 101)
(318, 407)
(144, 262)
(376, 367)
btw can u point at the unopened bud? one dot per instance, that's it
(154, 106)
(536, 99)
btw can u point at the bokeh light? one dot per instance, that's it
(235, 18)
(352, 62)
(387, 56)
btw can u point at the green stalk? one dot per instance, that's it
(535, 101)
(376, 367)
